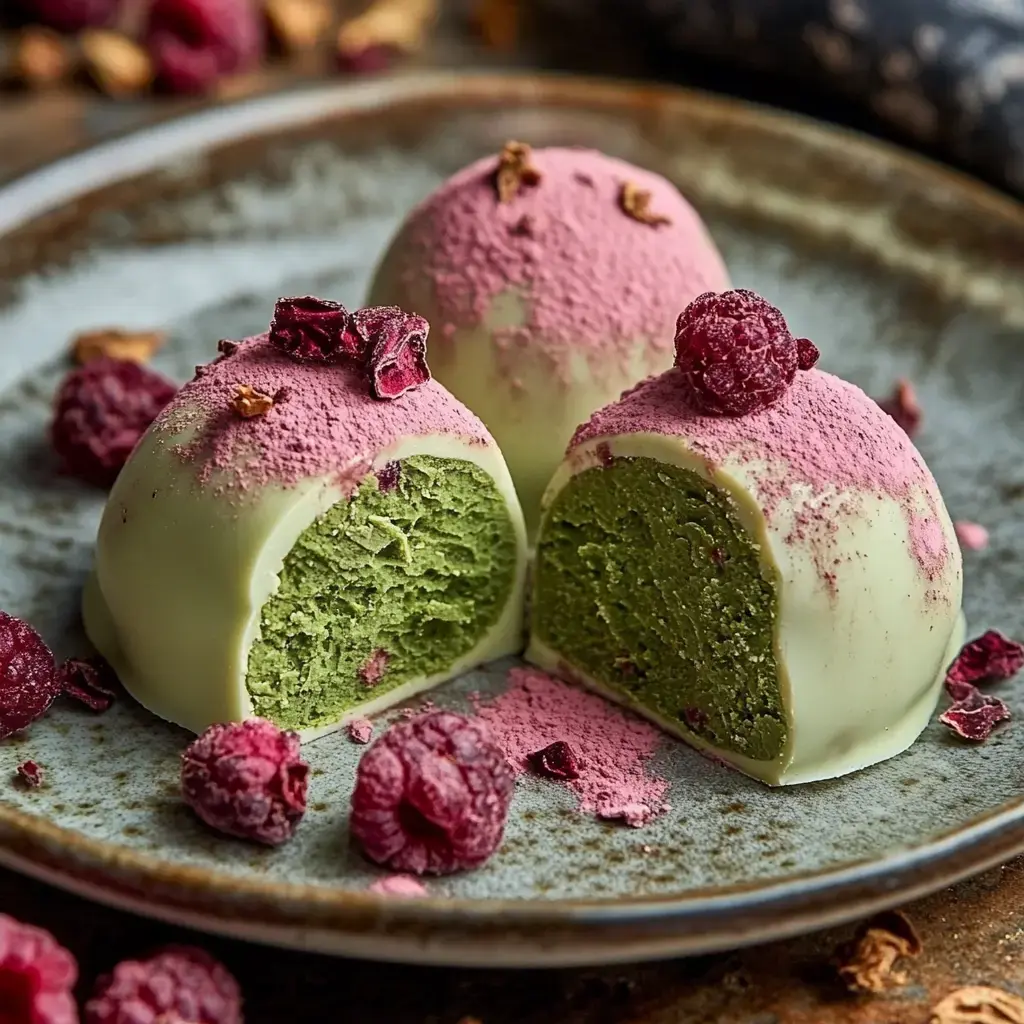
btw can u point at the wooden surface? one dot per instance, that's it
(973, 934)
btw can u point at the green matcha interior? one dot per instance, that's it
(646, 582)
(384, 588)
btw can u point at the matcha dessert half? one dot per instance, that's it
(751, 553)
(312, 531)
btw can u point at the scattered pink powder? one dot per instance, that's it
(360, 730)
(373, 671)
(613, 744)
(398, 885)
(972, 536)
(595, 279)
(327, 423)
(824, 433)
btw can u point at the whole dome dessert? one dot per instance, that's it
(312, 530)
(552, 278)
(751, 553)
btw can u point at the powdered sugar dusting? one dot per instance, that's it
(594, 279)
(326, 421)
(833, 441)
(613, 745)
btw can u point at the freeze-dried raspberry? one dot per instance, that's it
(736, 352)
(194, 42)
(90, 681)
(992, 657)
(71, 15)
(28, 676)
(397, 345)
(974, 714)
(313, 330)
(247, 779)
(179, 983)
(31, 775)
(902, 405)
(101, 411)
(432, 795)
(36, 976)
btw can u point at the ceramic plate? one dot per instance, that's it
(893, 266)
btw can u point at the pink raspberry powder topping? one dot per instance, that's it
(313, 330)
(195, 42)
(736, 352)
(28, 676)
(991, 657)
(610, 747)
(176, 984)
(432, 795)
(101, 411)
(247, 779)
(37, 976)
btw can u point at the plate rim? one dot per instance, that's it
(699, 920)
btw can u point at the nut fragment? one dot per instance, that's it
(117, 64)
(868, 964)
(514, 171)
(249, 402)
(636, 202)
(399, 25)
(114, 343)
(497, 22)
(41, 57)
(979, 1004)
(297, 25)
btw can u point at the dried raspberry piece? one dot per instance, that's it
(397, 343)
(376, 665)
(247, 779)
(28, 676)
(101, 411)
(388, 476)
(31, 774)
(432, 795)
(179, 983)
(71, 15)
(557, 761)
(902, 405)
(90, 681)
(313, 330)
(972, 536)
(974, 714)
(195, 42)
(360, 730)
(37, 976)
(992, 657)
(736, 353)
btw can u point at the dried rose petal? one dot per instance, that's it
(975, 714)
(992, 657)
(397, 342)
(903, 407)
(556, 761)
(30, 774)
(312, 330)
(90, 681)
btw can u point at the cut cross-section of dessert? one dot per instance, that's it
(552, 278)
(311, 531)
(751, 553)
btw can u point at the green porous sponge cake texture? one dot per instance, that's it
(646, 581)
(391, 586)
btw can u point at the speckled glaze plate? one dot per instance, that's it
(892, 265)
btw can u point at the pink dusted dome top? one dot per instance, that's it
(829, 436)
(324, 419)
(594, 276)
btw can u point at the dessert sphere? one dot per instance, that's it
(551, 279)
(780, 588)
(284, 542)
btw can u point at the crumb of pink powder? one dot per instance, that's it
(614, 746)
(398, 885)
(972, 536)
(360, 730)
